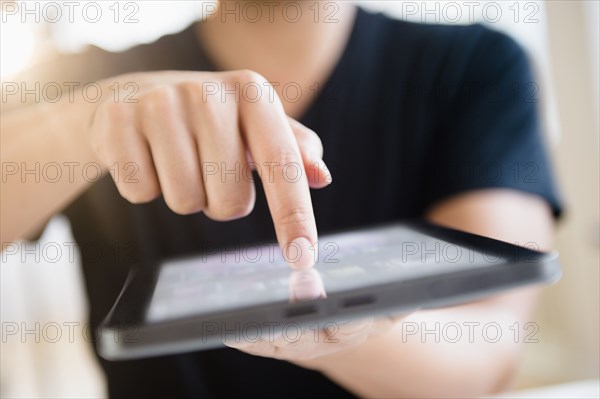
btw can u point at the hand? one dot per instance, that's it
(197, 148)
(319, 339)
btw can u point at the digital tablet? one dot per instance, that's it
(198, 302)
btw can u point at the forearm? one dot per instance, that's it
(402, 363)
(44, 153)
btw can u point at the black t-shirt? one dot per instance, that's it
(411, 114)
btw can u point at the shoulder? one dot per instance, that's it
(470, 37)
(457, 49)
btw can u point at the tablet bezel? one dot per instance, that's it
(125, 334)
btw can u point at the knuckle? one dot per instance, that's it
(254, 88)
(115, 112)
(314, 137)
(309, 140)
(98, 145)
(157, 101)
(192, 90)
(249, 76)
(232, 208)
(304, 131)
(184, 204)
(282, 157)
(297, 215)
(210, 109)
(140, 194)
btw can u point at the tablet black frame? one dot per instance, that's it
(125, 334)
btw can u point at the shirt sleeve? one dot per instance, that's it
(490, 135)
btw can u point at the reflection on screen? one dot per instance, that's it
(241, 277)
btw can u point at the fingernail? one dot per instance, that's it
(300, 253)
(320, 164)
(328, 178)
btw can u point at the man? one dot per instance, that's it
(412, 121)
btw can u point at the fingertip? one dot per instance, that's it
(306, 285)
(318, 174)
(300, 253)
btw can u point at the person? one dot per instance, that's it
(402, 120)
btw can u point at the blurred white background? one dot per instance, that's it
(562, 39)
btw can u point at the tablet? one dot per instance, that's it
(198, 302)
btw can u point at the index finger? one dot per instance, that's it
(273, 147)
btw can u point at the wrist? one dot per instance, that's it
(70, 123)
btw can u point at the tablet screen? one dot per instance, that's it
(224, 279)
